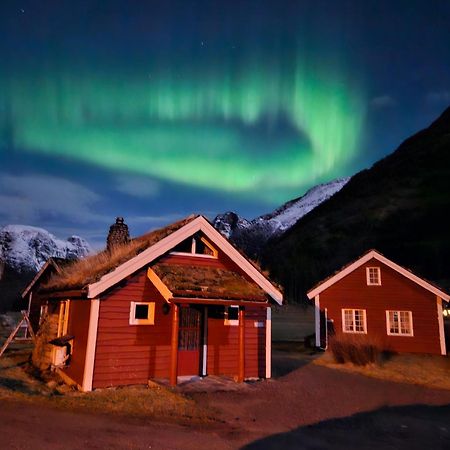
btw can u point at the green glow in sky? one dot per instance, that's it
(210, 127)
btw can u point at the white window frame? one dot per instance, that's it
(150, 317)
(388, 323)
(353, 310)
(378, 272)
(231, 322)
(215, 252)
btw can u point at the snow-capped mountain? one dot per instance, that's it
(27, 248)
(251, 235)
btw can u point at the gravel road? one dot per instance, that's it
(305, 406)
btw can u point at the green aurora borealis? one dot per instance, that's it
(156, 110)
(200, 126)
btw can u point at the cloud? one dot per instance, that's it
(32, 198)
(137, 186)
(383, 101)
(440, 97)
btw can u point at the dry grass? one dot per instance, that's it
(18, 381)
(208, 282)
(431, 371)
(80, 273)
(357, 349)
(91, 269)
(158, 403)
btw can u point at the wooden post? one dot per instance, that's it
(241, 374)
(205, 342)
(174, 352)
(14, 332)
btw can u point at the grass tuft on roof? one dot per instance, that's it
(89, 270)
(207, 282)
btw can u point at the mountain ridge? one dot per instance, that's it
(396, 206)
(252, 235)
(24, 249)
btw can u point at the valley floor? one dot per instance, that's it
(304, 406)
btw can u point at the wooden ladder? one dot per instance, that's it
(11, 337)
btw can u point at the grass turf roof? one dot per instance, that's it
(89, 270)
(207, 282)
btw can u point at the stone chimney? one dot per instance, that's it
(118, 234)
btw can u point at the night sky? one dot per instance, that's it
(155, 110)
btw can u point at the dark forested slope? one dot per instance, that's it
(399, 206)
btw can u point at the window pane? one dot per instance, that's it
(348, 320)
(405, 325)
(359, 320)
(141, 312)
(400, 322)
(233, 313)
(374, 275)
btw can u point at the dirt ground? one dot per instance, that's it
(303, 406)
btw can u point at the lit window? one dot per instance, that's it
(142, 313)
(399, 323)
(373, 276)
(354, 321)
(231, 315)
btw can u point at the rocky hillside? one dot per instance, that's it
(398, 206)
(252, 235)
(23, 251)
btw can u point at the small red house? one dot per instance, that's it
(178, 301)
(377, 298)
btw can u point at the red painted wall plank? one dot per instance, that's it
(148, 345)
(395, 293)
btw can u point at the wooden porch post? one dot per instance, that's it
(174, 344)
(205, 342)
(241, 374)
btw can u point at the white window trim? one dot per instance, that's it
(353, 312)
(368, 276)
(388, 327)
(151, 314)
(231, 322)
(196, 255)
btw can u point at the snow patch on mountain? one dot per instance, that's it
(252, 235)
(24, 247)
(288, 214)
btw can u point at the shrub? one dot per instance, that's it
(359, 350)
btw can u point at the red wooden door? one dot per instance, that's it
(189, 339)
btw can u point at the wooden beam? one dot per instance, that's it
(441, 325)
(15, 331)
(174, 346)
(158, 283)
(66, 294)
(205, 342)
(317, 319)
(268, 343)
(91, 345)
(218, 301)
(241, 374)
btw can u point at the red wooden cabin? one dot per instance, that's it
(376, 298)
(178, 301)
